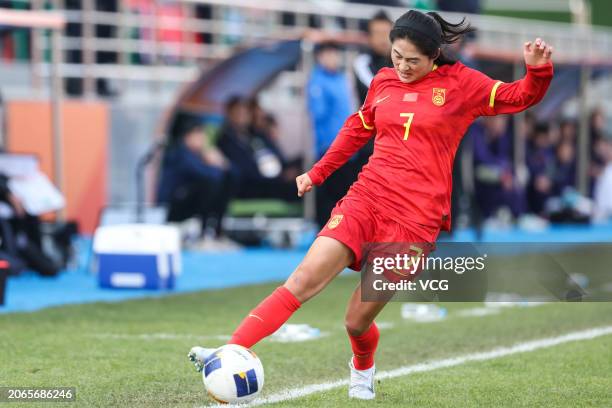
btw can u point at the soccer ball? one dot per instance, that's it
(233, 374)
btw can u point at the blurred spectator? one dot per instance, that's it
(565, 203)
(261, 121)
(597, 123)
(564, 175)
(264, 126)
(603, 185)
(568, 130)
(20, 234)
(527, 126)
(255, 159)
(329, 104)
(329, 96)
(540, 162)
(377, 56)
(195, 180)
(495, 184)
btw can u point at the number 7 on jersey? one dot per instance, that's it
(408, 123)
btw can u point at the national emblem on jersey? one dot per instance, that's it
(438, 96)
(335, 221)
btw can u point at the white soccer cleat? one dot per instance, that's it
(362, 382)
(197, 355)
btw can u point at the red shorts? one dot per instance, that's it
(356, 223)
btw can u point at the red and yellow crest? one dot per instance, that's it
(335, 221)
(438, 96)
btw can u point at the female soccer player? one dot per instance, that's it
(419, 111)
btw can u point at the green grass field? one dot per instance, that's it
(133, 353)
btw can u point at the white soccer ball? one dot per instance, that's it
(233, 374)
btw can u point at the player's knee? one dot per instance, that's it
(303, 283)
(355, 325)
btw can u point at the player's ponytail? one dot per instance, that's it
(429, 32)
(451, 32)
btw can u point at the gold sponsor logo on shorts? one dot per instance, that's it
(335, 221)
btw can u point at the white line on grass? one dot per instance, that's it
(436, 364)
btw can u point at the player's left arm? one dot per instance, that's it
(496, 97)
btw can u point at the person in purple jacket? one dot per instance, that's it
(541, 166)
(495, 183)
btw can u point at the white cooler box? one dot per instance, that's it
(142, 256)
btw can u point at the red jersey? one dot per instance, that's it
(418, 128)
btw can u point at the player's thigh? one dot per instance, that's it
(360, 315)
(325, 259)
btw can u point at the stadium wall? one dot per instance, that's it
(85, 138)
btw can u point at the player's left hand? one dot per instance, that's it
(537, 53)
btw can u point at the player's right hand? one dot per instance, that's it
(304, 184)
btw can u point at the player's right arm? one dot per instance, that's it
(357, 130)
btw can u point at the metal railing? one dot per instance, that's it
(241, 23)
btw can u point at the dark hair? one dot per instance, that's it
(234, 101)
(182, 124)
(253, 103)
(541, 127)
(429, 31)
(271, 120)
(381, 15)
(327, 45)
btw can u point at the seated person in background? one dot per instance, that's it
(495, 183)
(255, 160)
(541, 165)
(194, 181)
(568, 130)
(20, 234)
(603, 185)
(565, 167)
(598, 141)
(260, 119)
(264, 125)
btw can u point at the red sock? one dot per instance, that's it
(364, 347)
(266, 318)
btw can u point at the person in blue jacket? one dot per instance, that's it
(330, 102)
